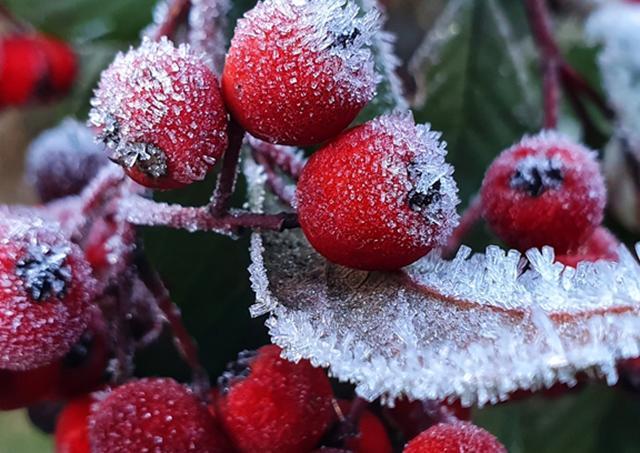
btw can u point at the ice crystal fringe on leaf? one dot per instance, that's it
(475, 328)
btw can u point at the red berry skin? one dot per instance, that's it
(279, 406)
(379, 196)
(154, 415)
(545, 190)
(160, 110)
(72, 430)
(45, 294)
(455, 438)
(22, 68)
(372, 436)
(601, 245)
(61, 61)
(297, 73)
(23, 388)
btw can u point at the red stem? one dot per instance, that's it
(469, 218)
(283, 190)
(221, 198)
(178, 10)
(573, 82)
(17, 25)
(287, 158)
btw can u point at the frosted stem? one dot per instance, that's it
(185, 344)
(283, 190)
(348, 423)
(221, 198)
(16, 24)
(469, 218)
(289, 159)
(177, 12)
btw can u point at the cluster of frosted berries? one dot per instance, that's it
(262, 403)
(34, 68)
(548, 190)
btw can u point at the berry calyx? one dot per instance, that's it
(154, 415)
(269, 404)
(298, 72)
(72, 428)
(371, 437)
(44, 301)
(601, 245)
(160, 110)
(61, 161)
(454, 438)
(379, 196)
(544, 190)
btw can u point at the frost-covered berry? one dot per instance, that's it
(299, 71)
(270, 405)
(23, 388)
(155, 415)
(371, 436)
(72, 430)
(34, 68)
(455, 438)
(160, 110)
(45, 292)
(544, 190)
(62, 160)
(601, 245)
(379, 196)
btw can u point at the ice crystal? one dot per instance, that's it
(616, 26)
(44, 271)
(476, 328)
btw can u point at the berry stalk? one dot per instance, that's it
(178, 10)
(221, 198)
(283, 190)
(289, 159)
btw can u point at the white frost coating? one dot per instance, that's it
(475, 328)
(616, 26)
(207, 27)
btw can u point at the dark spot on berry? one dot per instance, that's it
(110, 134)
(80, 351)
(147, 158)
(236, 370)
(345, 40)
(44, 271)
(419, 201)
(535, 176)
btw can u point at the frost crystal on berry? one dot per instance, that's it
(44, 271)
(535, 175)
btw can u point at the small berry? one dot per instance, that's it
(454, 438)
(411, 417)
(160, 110)
(269, 404)
(601, 245)
(22, 388)
(61, 161)
(544, 190)
(72, 428)
(298, 72)
(371, 437)
(44, 296)
(154, 415)
(379, 196)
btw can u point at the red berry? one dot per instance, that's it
(153, 415)
(22, 388)
(379, 196)
(413, 417)
(269, 404)
(72, 430)
(61, 161)
(298, 72)
(454, 438)
(160, 110)
(601, 245)
(46, 288)
(545, 190)
(61, 61)
(371, 437)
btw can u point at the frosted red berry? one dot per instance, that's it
(45, 293)
(62, 160)
(544, 190)
(72, 427)
(160, 110)
(154, 415)
(379, 196)
(454, 438)
(23, 388)
(371, 437)
(298, 72)
(269, 404)
(601, 245)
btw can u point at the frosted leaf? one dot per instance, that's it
(477, 327)
(616, 26)
(207, 28)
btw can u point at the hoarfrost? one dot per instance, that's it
(207, 27)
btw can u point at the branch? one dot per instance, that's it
(283, 190)
(15, 23)
(221, 198)
(176, 13)
(289, 159)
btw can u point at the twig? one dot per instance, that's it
(219, 205)
(177, 12)
(469, 218)
(283, 190)
(289, 159)
(17, 25)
